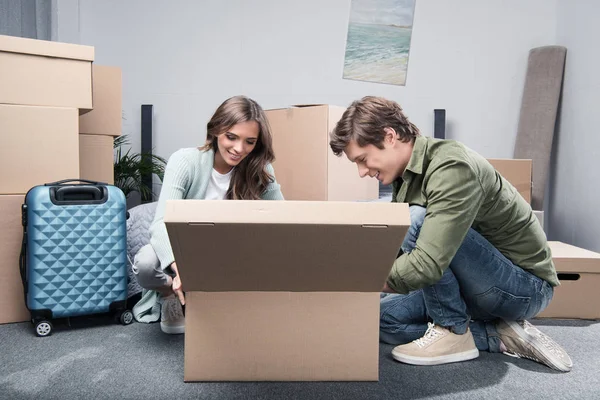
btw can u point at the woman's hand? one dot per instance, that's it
(177, 289)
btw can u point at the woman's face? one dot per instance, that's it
(235, 144)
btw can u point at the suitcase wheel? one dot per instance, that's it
(125, 317)
(43, 328)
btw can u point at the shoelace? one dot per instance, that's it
(431, 334)
(519, 355)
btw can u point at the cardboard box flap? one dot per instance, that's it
(294, 106)
(308, 105)
(285, 245)
(46, 48)
(568, 258)
(286, 212)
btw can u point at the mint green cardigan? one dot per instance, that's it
(187, 175)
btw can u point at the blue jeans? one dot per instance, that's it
(479, 286)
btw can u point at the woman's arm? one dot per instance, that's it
(273, 190)
(175, 186)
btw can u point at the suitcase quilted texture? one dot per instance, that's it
(77, 254)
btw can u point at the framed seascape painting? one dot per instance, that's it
(378, 41)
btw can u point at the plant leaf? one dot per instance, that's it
(129, 168)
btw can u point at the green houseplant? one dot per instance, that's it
(130, 168)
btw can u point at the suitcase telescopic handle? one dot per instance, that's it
(58, 183)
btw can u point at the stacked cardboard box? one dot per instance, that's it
(99, 127)
(46, 88)
(578, 269)
(305, 166)
(579, 274)
(519, 174)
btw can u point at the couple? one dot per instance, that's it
(473, 267)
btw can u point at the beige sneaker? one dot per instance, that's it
(524, 340)
(172, 320)
(438, 346)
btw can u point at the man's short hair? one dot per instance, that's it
(365, 121)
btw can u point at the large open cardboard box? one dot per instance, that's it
(37, 145)
(305, 166)
(283, 290)
(579, 274)
(44, 73)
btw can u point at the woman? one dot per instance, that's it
(235, 164)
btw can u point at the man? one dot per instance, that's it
(475, 263)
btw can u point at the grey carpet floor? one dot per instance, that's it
(94, 359)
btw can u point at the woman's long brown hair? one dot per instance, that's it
(250, 178)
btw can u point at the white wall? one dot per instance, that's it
(185, 57)
(573, 206)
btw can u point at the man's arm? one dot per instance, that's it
(454, 196)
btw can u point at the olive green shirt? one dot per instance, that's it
(460, 190)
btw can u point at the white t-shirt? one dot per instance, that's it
(218, 185)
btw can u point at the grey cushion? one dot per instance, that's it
(138, 235)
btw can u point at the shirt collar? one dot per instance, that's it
(415, 164)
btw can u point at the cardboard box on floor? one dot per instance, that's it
(283, 290)
(106, 117)
(12, 300)
(579, 274)
(517, 172)
(96, 160)
(44, 73)
(578, 269)
(37, 145)
(305, 166)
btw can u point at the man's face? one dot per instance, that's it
(385, 164)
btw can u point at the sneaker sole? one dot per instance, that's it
(553, 361)
(451, 358)
(172, 330)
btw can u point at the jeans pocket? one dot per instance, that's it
(501, 304)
